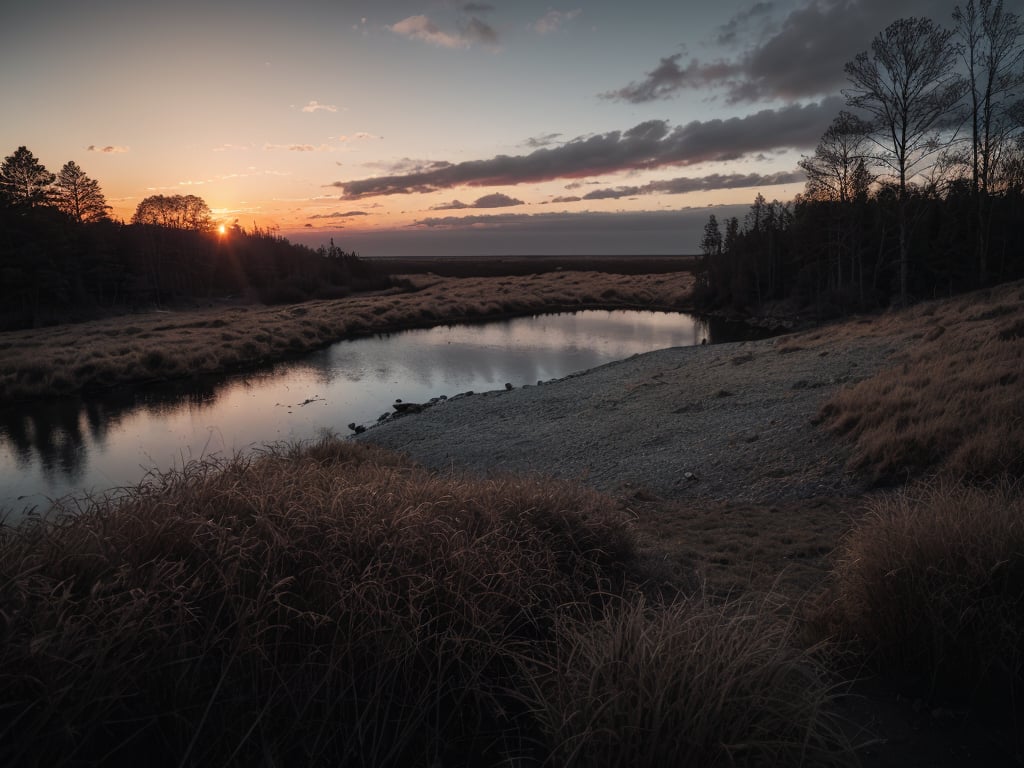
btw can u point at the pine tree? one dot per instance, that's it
(24, 180)
(79, 196)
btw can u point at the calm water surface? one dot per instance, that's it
(89, 445)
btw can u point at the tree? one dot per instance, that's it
(910, 87)
(993, 55)
(175, 212)
(837, 171)
(24, 180)
(79, 196)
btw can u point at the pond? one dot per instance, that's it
(91, 444)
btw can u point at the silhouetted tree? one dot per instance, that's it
(24, 180)
(993, 55)
(79, 196)
(909, 86)
(175, 212)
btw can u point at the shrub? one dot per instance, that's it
(931, 586)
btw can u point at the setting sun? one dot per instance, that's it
(222, 230)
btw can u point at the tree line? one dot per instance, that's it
(62, 257)
(917, 190)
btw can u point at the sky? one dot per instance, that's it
(435, 127)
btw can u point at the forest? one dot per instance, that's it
(62, 258)
(916, 192)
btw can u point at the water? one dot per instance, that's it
(89, 445)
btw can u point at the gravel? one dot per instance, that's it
(724, 421)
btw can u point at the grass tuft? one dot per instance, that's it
(930, 584)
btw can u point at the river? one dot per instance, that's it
(87, 445)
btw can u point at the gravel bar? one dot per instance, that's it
(723, 421)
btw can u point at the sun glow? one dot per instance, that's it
(222, 230)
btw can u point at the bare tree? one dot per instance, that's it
(838, 169)
(994, 57)
(24, 180)
(79, 196)
(909, 86)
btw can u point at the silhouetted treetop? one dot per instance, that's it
(24, 180)
(175, 212)
(79, 196)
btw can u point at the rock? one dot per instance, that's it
(357, 428)
(403, 408)
(508, 386)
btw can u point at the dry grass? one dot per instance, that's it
(160, 345)
(930, 584)
(334, 605)
(952, 402)
(692, 684)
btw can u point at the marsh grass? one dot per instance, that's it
(159, 345)
(331, 604)
(951, 402)
(930, 586)
(690, 684)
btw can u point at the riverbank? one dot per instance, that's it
(160, 345)
(839, 485)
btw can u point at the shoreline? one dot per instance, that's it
(158, 346)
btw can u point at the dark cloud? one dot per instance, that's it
(338, 215)
(686, 184)
(497, 200)
(729, 32)
(802, 58)
(652, 144)
(668, 78)
(566, 199)
(544, 140)
(661, 232)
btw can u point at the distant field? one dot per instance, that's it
(500, 266)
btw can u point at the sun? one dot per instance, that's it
(222, 230)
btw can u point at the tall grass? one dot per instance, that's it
(333, 605)
(930, 584)
(955, 402)
(691, 684)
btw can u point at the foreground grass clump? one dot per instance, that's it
(333, 605)
(692, 684)
(930, 584)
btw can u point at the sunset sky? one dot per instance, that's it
(430, 127)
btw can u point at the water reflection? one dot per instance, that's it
(78, 445)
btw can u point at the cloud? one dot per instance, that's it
(268, 147)
(729, 32)
(337, 215)
(422, 28)
(110, 149)
(360, 136)
(648, 145)
(802, 58)
(686, 184)
(544, 140)
(552, 20)
(565, 199)
(497, 200)
(668, 77)
(316, 106)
